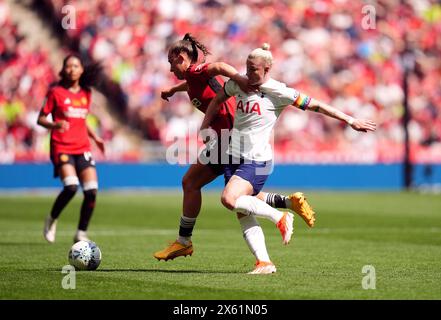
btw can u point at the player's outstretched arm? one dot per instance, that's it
(213, 109)
(167, 93)
(363, 125)
(224, 69)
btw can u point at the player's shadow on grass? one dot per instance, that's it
(165, 271)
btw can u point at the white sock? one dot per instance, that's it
(254, 237)
(81, 233)
(252, 205)
(184, 240)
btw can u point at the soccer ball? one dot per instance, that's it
(85, 255)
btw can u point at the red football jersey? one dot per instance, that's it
(202, 89)
(73, 108)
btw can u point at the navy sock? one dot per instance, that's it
(186, 226)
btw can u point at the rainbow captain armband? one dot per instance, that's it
(302, 101)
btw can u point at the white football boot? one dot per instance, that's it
(263, 267)
(81, 236)
(50, 228)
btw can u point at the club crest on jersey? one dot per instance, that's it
(247, 109)
(76, 103)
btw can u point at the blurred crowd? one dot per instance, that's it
(25, 76)
(347, 53)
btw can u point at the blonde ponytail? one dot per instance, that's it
(263, 52)
(266, 46)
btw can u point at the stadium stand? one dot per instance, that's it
(320, 48)
(26, 71)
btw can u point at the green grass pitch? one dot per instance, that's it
(397, 233)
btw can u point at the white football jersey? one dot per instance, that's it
(255, 117)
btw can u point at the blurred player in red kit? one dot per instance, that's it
(68, 102)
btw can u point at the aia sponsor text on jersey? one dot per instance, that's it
(247, 108)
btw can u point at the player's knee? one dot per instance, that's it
(71, 184)
(185, 183)
(71, 189)
(228, 200)
(90, 189)
(90, 194)
(188, 183)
